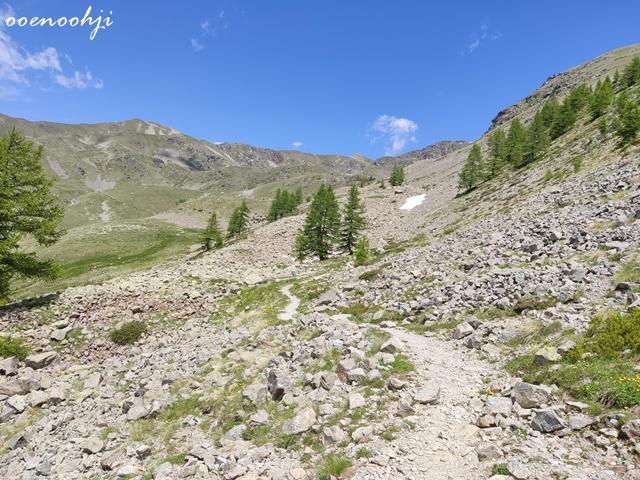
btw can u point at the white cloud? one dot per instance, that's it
(209, 28)
(16, 63)
(396, 132)
(485, 35)
(298, 144)
(196, 45)
(79, 80)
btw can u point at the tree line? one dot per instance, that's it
(611, 103)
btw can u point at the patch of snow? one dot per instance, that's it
(413, 202)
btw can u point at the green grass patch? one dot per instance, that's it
(602, 367)
(534, 303)
(333, 465)
(13, 347)
(102, 251)
(128, 334)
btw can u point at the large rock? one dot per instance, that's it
(497, 406)
(279, 384)
(41, 360)
(256, 393)
(632, 429)
(356, 400)
(528, 395)
(578, 422)
(462, 330)
(9, 366)
(327, 298)
(488, 452)
(302, 422)
(15, 387)
(546, 421)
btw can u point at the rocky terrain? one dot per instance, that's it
(256, 366)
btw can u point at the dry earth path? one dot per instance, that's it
(292, 307)
(442, 444)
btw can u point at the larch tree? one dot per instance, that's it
(321, 229)
(353, 221)
(27, 209)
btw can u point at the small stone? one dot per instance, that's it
(143, 451)
(92, 445)
(302, 422)
(297, 473)
(356, 375)
(392, 345)
(578, 422)
(253, 279)
(261, 417)
(93, 381)
(38, 398)
(488, 451)
(137, 412)
(497, 406)
(356, 400)
(546, 355)
(18, 403)
(429, 395)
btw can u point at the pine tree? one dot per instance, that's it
(537, 141)
(361, 252)
(299, 197)
(631, 73)
(212, 237)
(321, 227)
(515, 142)
(563, 121)
(397, 176)
(601, 99)
(549, 111)
(497, 152)
(471, 172)
(627, 120)
(27, 209)
(239, 220)
(353, 221)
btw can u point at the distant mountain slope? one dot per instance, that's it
(432, 152)
(559, 85)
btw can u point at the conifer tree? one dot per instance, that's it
(537, 141)
(239, 220)
(563, 121)
(497, 152)
(601, 99)
(397, 176)
(549, 111)
(212, 237)
(631, 73)
(471, 172)
(353, 221)
(27, 209)
(321, 228)
(515, 142)
(627, 120)
(361, 252)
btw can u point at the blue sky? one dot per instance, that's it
(371, 77)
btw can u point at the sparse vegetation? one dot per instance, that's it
(128, 334)
(13, 347)
(333, 465)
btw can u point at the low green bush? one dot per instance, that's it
(128, 334)
(13, 347)
(370, 274)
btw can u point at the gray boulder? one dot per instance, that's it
(546, 421)
(528, 395)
